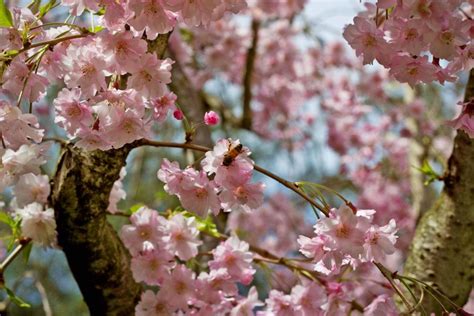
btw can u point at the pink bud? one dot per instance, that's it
(178, 115)
(211, 118)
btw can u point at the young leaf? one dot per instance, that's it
(16, 300)
(5, 218)
(5, 15)
(27, 252)
(136, 207)
(429, 172)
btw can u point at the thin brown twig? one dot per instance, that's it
(247, 79)
(286, 183)
(53, 41)
(23, 242)
(388, 275)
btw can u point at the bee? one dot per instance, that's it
(231, 154)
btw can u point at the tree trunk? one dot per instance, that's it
(98, 260)
(442, 251)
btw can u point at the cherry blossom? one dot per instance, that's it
(146, 226)
(211, 118)
(181, 237)
(234, 255)
(31, 188)
(38, 224)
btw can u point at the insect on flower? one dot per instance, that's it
(231, 154)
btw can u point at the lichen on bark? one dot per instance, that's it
(98, 260)
(442, 251)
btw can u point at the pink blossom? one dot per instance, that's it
(179, 289)
(386, 4)
(367, 40)
(151, 16)
(309, 299)
(125, 127)
(117, 13)
(174, 178)
(10, 38)
(380, 241)
(123, 51)
(150, 76)
(339, 299)
(181, 237)
(162, 105)
(215, 286)
(465, 120)
(146, 226)
(234, 6)
(78, 6)
(17, 128)
(382, 305)
(38, 224)
(279, 304)
(464, 59)
(152, 267)
(72, 113)
(234, 255)
(153, 305)
(313, 247)
(211, 118)
(412, 70)
(117, 193)
(32, 188)
(444, 42)
(195, 191)
(201, 197)
(178, 114)
(28, 158)
(246, 197)
(246, 306)
(345, 230)
(85, 66)
(14, 78)
(195, 12)
(408, 35)
(91, 140)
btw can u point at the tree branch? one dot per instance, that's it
(247, 80)
(442, 252)
(290, 185)
(190, 101)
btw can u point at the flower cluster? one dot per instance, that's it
(156, 243)
(348, 238)
(230, 189)
(154, 17)
(413, 38)
(104, 117)
(21, 159)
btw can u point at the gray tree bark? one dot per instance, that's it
(98, 260)
(442, 252)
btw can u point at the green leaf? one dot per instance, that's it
(429, 172)
(136, 207)
(27, 252)
(206, 225)
(16, 300)
(45, 8)
(186, 35)
(5, 218)
(100, 12)
(96, 29)
(5, 15)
